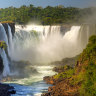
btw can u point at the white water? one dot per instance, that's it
(41, 44)
(10, 40)
(6, 70)
(37, 77)
(3, 37)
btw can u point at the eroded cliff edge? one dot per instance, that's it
(77, 81)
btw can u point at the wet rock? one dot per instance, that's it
(24, 68)
(62, 68)
(11, 91)
(66, 61)
(1, 65)
(12, 25)
(61, 86)
(6, 90)
(49, 80)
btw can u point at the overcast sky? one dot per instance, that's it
(44, 3)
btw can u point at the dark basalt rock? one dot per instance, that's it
(11, 91)
(1, 65)
(66, 61)
(65, 28)
(6, 90)
(12, 25)
(5, 27)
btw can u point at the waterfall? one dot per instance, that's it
(10, 40)
(39, 44)
(3, 37)
(72, 35)
(6, 70)
(43, 44)
(85, 32)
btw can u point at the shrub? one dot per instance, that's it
(88, 87)
(3, 45)
(92, 39)
(66, 74)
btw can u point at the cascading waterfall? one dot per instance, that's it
(3, 37)
(6, 70)
(10, 40)
(85, 32)
(41, 44)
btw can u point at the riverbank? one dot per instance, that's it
(60, 82)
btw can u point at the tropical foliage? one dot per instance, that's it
(49, 15)
(3, 45)
(85, 74)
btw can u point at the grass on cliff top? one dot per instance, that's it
(7, 22)
(68, 72)
(66, 67)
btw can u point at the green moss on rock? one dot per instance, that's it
(3, 45)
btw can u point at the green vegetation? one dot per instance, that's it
(47, 16)
(35, 34)
(85, 73)
(66, 67)
(6, 22)
(82, 78)
(66, 74)
(77, 79)
(3, 45)
(88, 87)
(90, 52)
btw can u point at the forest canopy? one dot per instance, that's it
(46, 16)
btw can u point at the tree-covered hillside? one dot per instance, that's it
(48, 15)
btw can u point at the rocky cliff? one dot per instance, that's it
(78, 81)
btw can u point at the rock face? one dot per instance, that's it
(12, 25)
(66, 61)
(61, 86)
(1, 65)
(65, 28)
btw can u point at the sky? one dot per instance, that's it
(44, 3)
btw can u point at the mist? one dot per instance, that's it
(44, 44)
